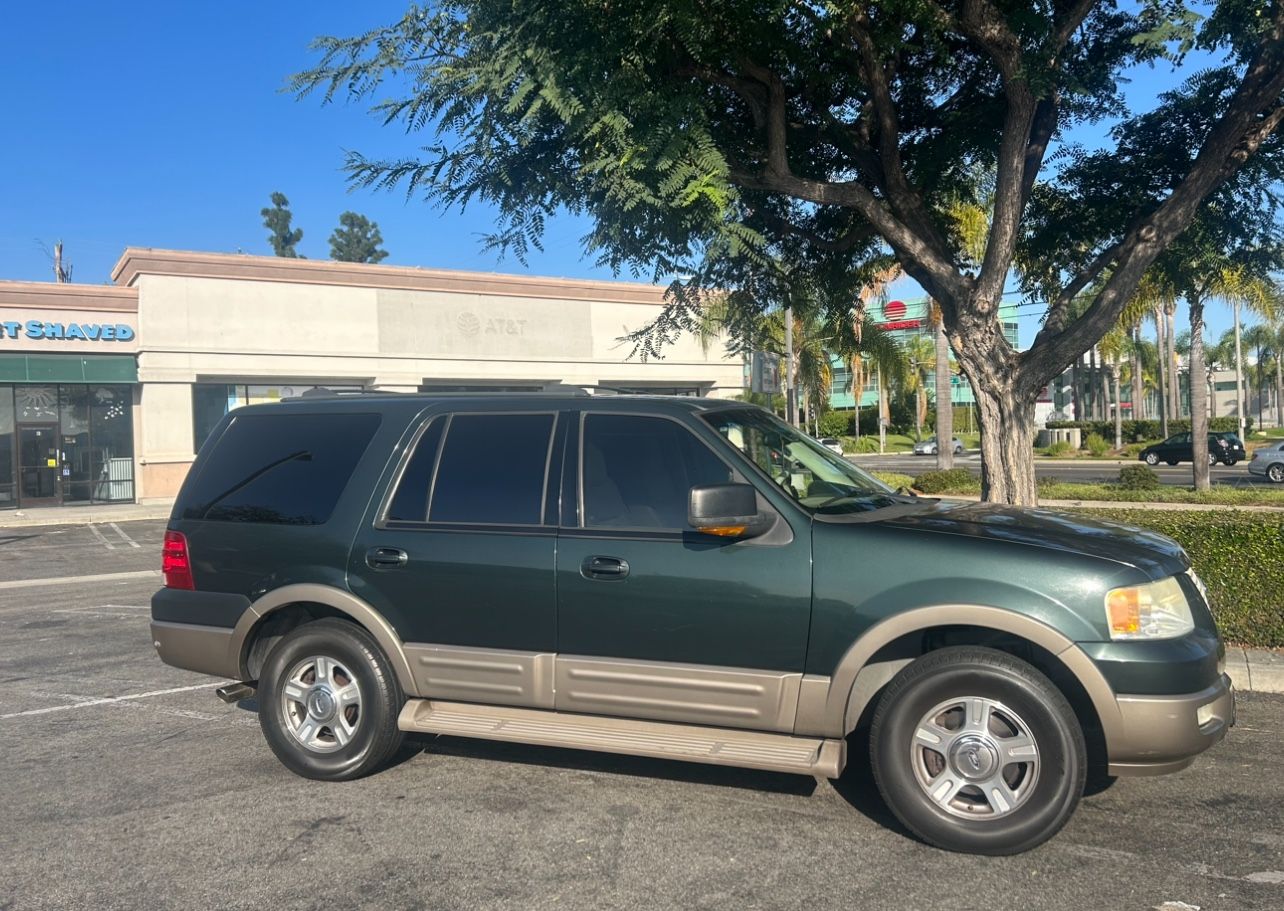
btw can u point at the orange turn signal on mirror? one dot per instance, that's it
(726, 531)
(1123, 606)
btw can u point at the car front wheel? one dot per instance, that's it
(1152, 459)
(977, 751)
(328, 702)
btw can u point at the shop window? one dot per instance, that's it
(212, 401)
(36, 403)
(8, 493)
(492, 470)
(111, 436)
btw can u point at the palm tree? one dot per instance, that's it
(1112, 346)
(920, 359)
(1260, 338)
(1262, 295)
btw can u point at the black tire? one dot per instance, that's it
(1152, 459)
(1275, 473)
(1231, 462)
(1013, 687)
(375, 737)
(1171, 461)
(1212, 459)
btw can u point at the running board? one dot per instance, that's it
(657, 739)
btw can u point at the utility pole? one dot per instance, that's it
(61, 273)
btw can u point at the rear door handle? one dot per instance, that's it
(386, 558)
(604, 568)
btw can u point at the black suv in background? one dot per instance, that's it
(1222, 447)
(682, 578)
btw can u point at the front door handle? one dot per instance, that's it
(386, 558)
(604, 568)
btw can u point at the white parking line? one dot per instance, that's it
(128, 540)
(107, 700)
(76, 580)
(101, 537)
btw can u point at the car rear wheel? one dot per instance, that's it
(328, 702)
(1275, 473)
(977, 751)
(1152, 458)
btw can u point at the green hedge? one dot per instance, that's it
(1151, 430)
(1240, 557)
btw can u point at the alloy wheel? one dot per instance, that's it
(321, 703)
(975, 758)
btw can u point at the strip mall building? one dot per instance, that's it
(107, 391)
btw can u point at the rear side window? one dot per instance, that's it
(492, 469)
(410, 502)
(286, 469)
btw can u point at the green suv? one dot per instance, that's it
(683, 578)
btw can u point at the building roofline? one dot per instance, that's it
(139, 261)
(66, 296)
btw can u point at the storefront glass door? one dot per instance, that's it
(38, 465)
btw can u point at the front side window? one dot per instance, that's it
(813, 475)
(492, 470)
(638, 471)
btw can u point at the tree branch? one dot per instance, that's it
(1253, 114)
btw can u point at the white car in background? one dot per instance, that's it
(832, 444)
(928, 446)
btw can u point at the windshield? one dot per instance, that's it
(813, 475)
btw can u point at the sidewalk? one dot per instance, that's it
(85, 515)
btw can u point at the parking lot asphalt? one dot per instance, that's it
(126, 784)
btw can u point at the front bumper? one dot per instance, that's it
(1256, 466)
(1162, 734)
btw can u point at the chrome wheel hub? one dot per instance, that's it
(975, 757)
(321, 704)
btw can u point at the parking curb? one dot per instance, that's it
(85, 515)
(1255, 670)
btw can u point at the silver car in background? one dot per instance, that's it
(928, 446)
(1268, 461)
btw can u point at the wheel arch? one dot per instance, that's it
(281, 609)
(834, 706)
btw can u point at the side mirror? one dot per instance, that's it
(726, 510)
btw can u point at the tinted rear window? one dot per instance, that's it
(279, 468)
(492, 469)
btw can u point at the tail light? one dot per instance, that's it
(176, 565)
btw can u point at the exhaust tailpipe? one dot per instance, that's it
(235, 692)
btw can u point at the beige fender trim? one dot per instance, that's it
(333, 597)
(831, 706)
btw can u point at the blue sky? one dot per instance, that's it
(163, 125)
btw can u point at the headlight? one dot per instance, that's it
(1157, 610)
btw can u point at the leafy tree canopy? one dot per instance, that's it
(356, 240)
(277, 220)
(718, 139)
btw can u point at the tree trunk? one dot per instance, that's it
(918, 412)
(1007, 443)
(1114, 377)
(1279, 389)
(1198, 398)
(1138, 392)
(1162, 372)
(1076, 410)
(1106, 374)
(944, 400)
(1094, 401)
(1239, 373)
(1174, 375)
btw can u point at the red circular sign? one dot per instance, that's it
(894, 310)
